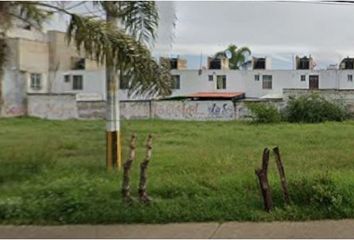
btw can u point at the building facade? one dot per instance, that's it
(43, 63)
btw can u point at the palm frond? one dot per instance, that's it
(139, 18)
(101, 40)
(244, 50)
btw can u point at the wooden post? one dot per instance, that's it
(263, 181)
(143, 196)
(127, 166)
(281, 171)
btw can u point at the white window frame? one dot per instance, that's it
(36, 81)
(350, 77)
(303, 78)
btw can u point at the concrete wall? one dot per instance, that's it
(193, 110)
(66, 106)
(13, 97)
(53, 106)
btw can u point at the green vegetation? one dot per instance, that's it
(54, 172)
(264, 112)
(313, 109)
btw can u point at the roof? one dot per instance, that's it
(272, 96)
(215, 95)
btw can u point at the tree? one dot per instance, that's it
(238, 55)
(122, 47)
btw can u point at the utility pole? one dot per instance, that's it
(113, 146)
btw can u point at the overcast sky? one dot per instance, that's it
(278, 30)
(275, 29)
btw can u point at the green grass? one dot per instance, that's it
(53, 172)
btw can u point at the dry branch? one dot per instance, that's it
(281, 171)
(143, 196)
(263, 181)
(127, 167)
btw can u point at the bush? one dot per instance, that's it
(264, 113)
(313, 109)
(319, 192)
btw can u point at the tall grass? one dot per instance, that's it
(53, 172)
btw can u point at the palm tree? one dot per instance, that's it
(238, 55)
(122, 48)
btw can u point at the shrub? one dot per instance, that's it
(319, 192)
(264, 113)
(313, 109)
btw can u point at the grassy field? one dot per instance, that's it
(53, 172)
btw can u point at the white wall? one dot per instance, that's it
(93, 82)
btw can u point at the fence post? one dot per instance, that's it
(284, 184)
(127, 167)
(263, 181)
(143, 196)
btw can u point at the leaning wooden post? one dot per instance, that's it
(263, 181)
(284, 184)
(127, 167)
(143, 196)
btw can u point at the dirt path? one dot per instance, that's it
(310, 229)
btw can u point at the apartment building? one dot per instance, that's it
(43, 63)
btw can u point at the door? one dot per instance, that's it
(313, 82)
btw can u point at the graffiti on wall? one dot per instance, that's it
(13, 111)
(167, 110)
(194, 110)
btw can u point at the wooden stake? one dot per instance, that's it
(263, 181)
(284, 184)
(143, 196)
(127, 166)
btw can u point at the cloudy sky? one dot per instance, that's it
(279, 30)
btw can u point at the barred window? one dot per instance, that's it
(36, 81)
(78, 82)
(350, 78)
(267, 82)
(303, 78)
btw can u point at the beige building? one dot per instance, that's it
(40, 62)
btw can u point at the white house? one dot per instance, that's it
(43, 63)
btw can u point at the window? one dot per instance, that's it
(259, 63)
(267, 82)
(256, 77)
(176, 82)
(350, 78)
(67, 78)
(211, 78)
(77, 82)
(77, 63)
(215, 64)
(36, 81)
(221, 82)
(303, 78)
